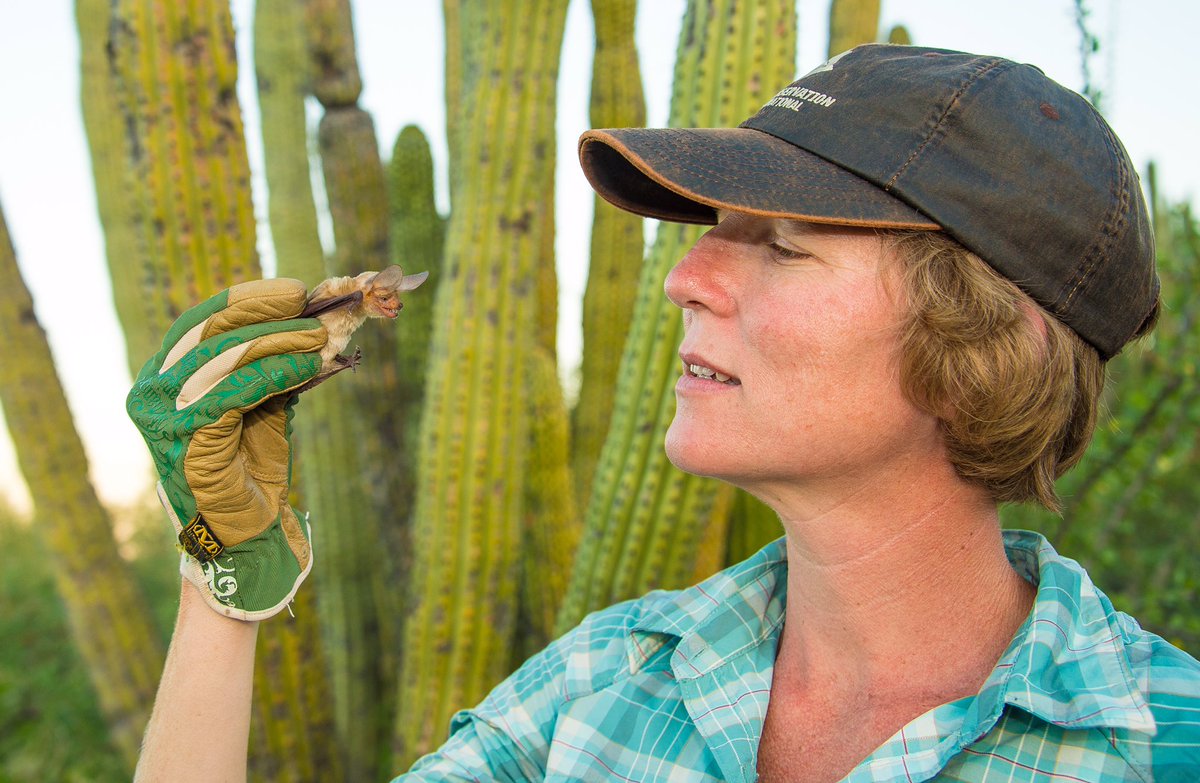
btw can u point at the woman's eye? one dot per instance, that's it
(783, 251)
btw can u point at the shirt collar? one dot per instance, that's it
(1067, 663)
(719, 618)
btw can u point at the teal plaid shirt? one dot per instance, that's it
(674, 687)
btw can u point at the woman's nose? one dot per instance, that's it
(704, 278)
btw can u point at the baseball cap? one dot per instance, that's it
(1017, 168)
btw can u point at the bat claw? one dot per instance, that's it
(350, 362)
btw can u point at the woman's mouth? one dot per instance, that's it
(708, 373)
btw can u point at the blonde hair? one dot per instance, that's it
(1015, 389)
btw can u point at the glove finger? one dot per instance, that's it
(247, 386)
(217, 357)
(253, 302)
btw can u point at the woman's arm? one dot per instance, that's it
(200, 725)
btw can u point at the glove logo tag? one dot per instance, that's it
(199, 541)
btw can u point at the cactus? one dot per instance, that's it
(852, 22)
(551, 524)
(110, 173)
(899, 35)
(294, 737)
(111, 627)
(342, 436)
(176, 71)
(417, 236)
(644, 517)
(475, 424)
(292, 733)
(616, 245)
(282, 73)
(752, 525)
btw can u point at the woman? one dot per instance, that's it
(920, 262)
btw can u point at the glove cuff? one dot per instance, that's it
(254, 580)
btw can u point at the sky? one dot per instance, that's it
(1146, 67)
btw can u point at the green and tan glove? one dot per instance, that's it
(214, 406)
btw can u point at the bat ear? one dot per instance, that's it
(409, 282)
(389, 278)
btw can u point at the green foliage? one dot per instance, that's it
(51, 727)
(1130, 505)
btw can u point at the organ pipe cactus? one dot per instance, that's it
(343, 427)
(616, 245)
(551, 523)
(176, 71)
(475, 428)
(644, 516)
(293, 726)
(417, 237)
(899, 35)
(108, 617)
(107, 140)
(281, 64)
(852, 22)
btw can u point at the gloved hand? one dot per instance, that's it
(214, 406)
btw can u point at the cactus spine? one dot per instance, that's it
(852, 22)
(475, 425)
(644, 517)
(616, 245)
(295, 739)
(176, 72)
(121, 649)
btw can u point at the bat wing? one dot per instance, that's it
(316, 307)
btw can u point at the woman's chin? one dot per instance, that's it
(698, 456)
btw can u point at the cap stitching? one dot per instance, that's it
(987, 67)
(1114, 221)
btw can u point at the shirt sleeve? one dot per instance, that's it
(508, 736)
(475, 751)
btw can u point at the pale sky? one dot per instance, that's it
(1146, 68)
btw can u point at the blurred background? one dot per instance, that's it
(200, 112)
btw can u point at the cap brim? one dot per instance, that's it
(685, 175)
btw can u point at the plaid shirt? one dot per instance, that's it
(674, 687)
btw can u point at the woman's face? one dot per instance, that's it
(789, 354)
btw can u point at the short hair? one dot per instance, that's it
(1017, 402)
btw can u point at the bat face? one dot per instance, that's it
(381, 298)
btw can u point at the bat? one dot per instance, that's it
(342, 304)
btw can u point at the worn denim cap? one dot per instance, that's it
(1020, 170)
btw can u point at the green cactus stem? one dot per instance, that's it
(616, 246)
(852, 22)
(293, 732)
(106, 135)
(347, 432)
(176, 72)
(899, 35)
(552, 526)
(475, 428)
(417, 237)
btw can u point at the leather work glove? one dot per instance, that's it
(215, 406)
